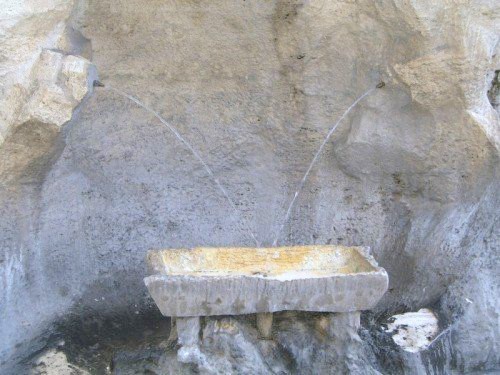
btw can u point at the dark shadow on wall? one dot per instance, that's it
(27, 154)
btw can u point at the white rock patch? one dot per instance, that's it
(53, 362)
(414, 331)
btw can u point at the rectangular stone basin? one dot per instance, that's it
(230, 281)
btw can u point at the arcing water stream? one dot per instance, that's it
(216, 180)
(193, 151)
(315, 158)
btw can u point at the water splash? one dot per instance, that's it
(190, 148)
(304, 179)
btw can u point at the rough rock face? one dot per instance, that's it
(60, 83)
(412, 171)
(44, 69)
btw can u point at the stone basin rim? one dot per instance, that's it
(281, 263)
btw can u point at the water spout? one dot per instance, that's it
(304, 179)
(190, 148)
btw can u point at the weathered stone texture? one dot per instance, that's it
(233, 281)
(412, 172)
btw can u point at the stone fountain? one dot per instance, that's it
(188, 284)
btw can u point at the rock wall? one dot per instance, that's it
(412, 171)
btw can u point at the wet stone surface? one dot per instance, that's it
(230, 345)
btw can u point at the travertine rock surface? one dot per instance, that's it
(44, 70)
(60, 84)
(89, 183)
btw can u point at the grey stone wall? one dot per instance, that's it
(412, 172)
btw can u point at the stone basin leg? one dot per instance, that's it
(188, 330)
(265, 325)
(341, 325)
(172, 337)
